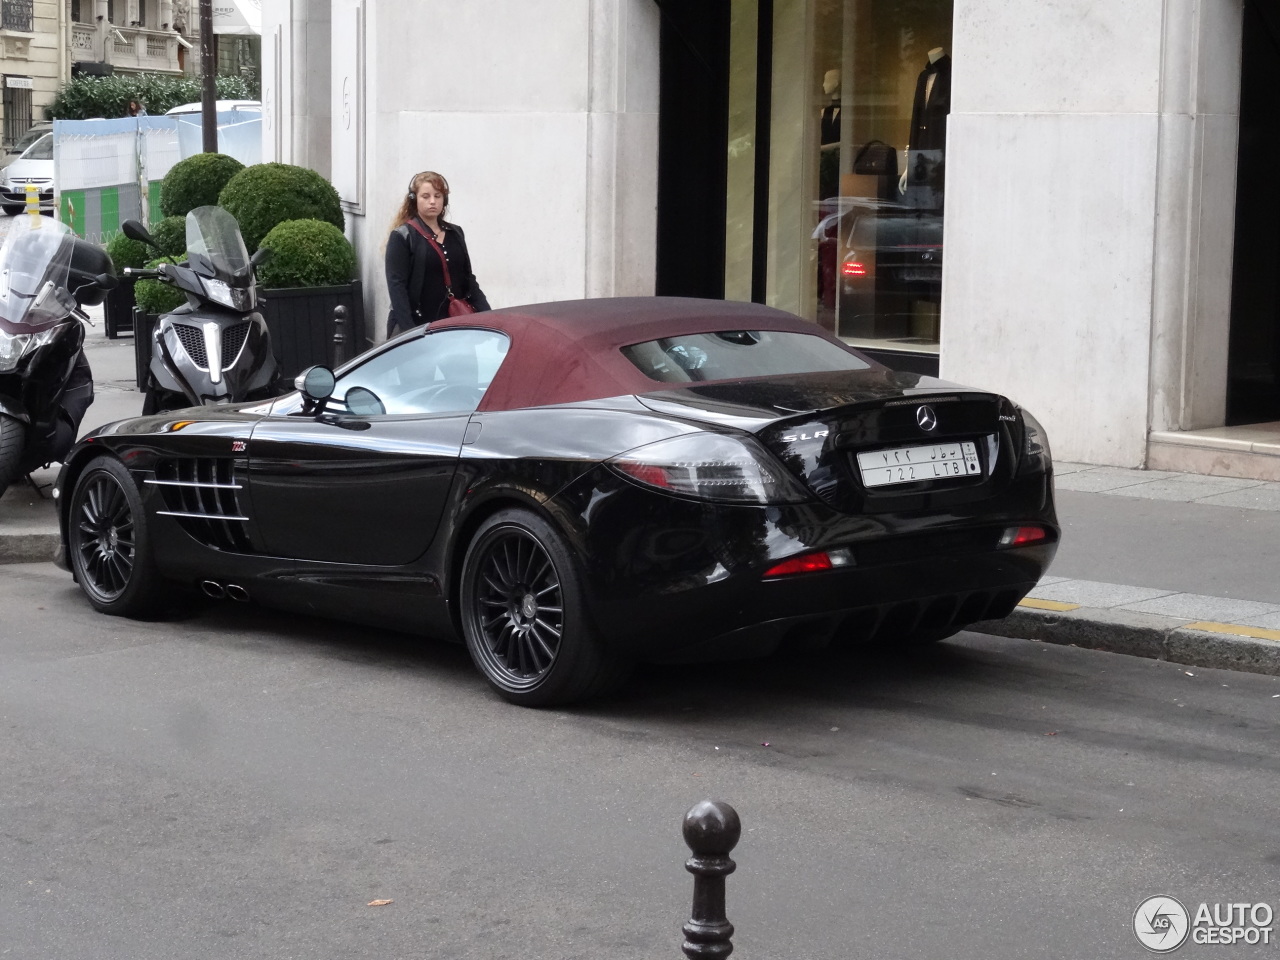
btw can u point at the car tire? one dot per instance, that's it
(524, 615)
(12, 209)
(13, 435)
(111, 555)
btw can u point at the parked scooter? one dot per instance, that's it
(215, 348)
(46, 275)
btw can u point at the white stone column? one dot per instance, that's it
(622, 160)
(1089, 183)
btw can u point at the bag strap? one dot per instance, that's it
(444, 261)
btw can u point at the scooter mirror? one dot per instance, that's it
(136, 231)
(316, 383)
(261, 255)
(107, 281)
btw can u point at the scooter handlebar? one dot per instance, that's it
(141, 273)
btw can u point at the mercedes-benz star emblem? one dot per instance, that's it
(926, 418)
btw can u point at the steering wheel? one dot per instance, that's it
(441, 397)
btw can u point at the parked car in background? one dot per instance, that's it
(34, 133)
(220, 106)
(34, 165)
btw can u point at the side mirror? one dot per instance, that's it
(136, 231)
(107, 281)
(363, 402)
(316, 383)
(261, 255)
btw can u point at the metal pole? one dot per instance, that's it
(339, 337)
(711, 829)
(209, 71)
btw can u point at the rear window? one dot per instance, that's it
(738, 354)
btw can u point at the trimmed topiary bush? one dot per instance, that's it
(266, 194)
(156, 296)
(307, 253)
(196, 182)
(171, 234)
(126, 253)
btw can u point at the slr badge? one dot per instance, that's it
(926, 418)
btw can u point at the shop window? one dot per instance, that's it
(835, 210)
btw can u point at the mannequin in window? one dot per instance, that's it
(932, 103)
(831, 112)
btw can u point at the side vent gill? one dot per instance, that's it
(203, 495)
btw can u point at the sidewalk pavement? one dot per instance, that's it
(1169, 566)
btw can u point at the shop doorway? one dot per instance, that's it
(1253, 365)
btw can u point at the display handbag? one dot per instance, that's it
(458, 307)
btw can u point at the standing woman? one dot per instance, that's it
(421, 248)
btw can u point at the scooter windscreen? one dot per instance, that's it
(217, 254)
(35, 264)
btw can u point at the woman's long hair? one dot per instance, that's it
(408, 208)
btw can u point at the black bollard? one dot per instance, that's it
(711, 829)
(339, 337)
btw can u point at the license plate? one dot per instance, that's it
(934, 461)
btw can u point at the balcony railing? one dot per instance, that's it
(128, 48)
(17, 15)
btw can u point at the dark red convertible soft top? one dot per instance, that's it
(568, 351)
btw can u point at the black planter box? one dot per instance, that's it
(118, 309)
(300, 321)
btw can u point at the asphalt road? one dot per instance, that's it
(242, 783)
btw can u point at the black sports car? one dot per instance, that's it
(571, 487)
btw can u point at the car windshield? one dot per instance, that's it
(737, 354)
(214, 244)
(42, 149)
(35, 264)
(28, 138)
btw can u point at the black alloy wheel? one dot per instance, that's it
(106, 533)
(524, 618)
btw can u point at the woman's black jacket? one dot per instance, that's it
(415, 276)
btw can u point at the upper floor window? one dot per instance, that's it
(17, 15)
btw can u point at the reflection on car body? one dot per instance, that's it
(573, 487)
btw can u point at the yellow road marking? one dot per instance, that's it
(1058, 605)
(1209, 626)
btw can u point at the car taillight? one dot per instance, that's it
(1022, 536)
(1034, 457)
(814, 562)
(711, 466)
(852, 268)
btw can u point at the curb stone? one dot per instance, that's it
(28, 547)
(1139, 635)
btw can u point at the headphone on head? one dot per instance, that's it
(410, 195)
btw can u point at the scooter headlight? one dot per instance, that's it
(15, 346)
(237, 298)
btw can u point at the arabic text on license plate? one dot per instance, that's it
(935, 461)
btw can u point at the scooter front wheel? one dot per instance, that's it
(13, 436)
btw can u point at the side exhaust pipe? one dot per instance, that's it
(213, 589)
(237, 592)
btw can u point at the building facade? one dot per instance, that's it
(33, 61)
(1062, 201)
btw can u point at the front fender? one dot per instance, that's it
(14, 408)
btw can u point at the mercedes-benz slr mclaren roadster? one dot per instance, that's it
(573, 487)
